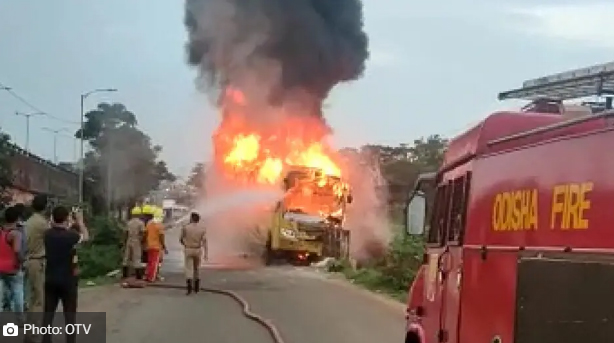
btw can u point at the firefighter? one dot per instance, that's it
(135, 230)
(194, 240)
(154, 233)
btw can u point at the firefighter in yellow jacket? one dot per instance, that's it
(133, 236)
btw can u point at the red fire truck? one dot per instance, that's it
(519, 223)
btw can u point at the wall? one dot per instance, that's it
(35, 175)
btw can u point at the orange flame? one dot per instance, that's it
(253, 151)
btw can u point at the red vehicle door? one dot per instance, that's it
(434, 294)
(452, 261)
(444, 265)
(434, 290)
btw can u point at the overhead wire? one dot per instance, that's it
(24, 101)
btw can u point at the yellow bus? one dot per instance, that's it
(308, 223)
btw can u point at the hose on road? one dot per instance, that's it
(236, 297)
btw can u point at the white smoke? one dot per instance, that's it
(367, 217)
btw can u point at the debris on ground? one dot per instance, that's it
(113, 273)
(325, 263)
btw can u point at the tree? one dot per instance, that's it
(427, 153)
(162, 172)
(400, 165)
(124, 164)
(105, 118)
(197, 176)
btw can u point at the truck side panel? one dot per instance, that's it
(488, 302)
(557, 193)
(548, 195)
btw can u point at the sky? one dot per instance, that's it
(436, 67)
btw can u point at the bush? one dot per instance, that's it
(98, 260)
(394, 272)
(103, 253)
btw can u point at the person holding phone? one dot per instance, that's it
(61, 269)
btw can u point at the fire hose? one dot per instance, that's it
(270, 327)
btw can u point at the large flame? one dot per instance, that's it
(261, 152)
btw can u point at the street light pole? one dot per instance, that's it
(109, 171)
(55, 141)
(74, 150)
(81, 162)
(82, 157)
(28, 116)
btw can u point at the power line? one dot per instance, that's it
(32, 106)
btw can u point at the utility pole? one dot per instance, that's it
(82, 156)
(28, 116)
(109, 171)
(74, 150)
(55, 141)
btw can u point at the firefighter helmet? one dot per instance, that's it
(158, 212)
(136, 210)
(148, 209)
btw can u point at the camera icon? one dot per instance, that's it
(10, 330)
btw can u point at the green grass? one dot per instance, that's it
(391, 274)
(375, 281)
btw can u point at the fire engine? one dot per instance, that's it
(518, 222)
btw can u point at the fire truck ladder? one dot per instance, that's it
(597, 80)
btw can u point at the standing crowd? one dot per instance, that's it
(39, 264)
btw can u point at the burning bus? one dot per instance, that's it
(519, 245)
(292, 154)
(308, 222)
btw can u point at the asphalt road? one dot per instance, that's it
(306, 306)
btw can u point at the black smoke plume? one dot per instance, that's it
(309, 45)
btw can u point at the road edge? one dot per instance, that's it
(340, 280)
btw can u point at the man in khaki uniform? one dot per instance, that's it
(135, 229)
(35, 228)
(194, 240)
